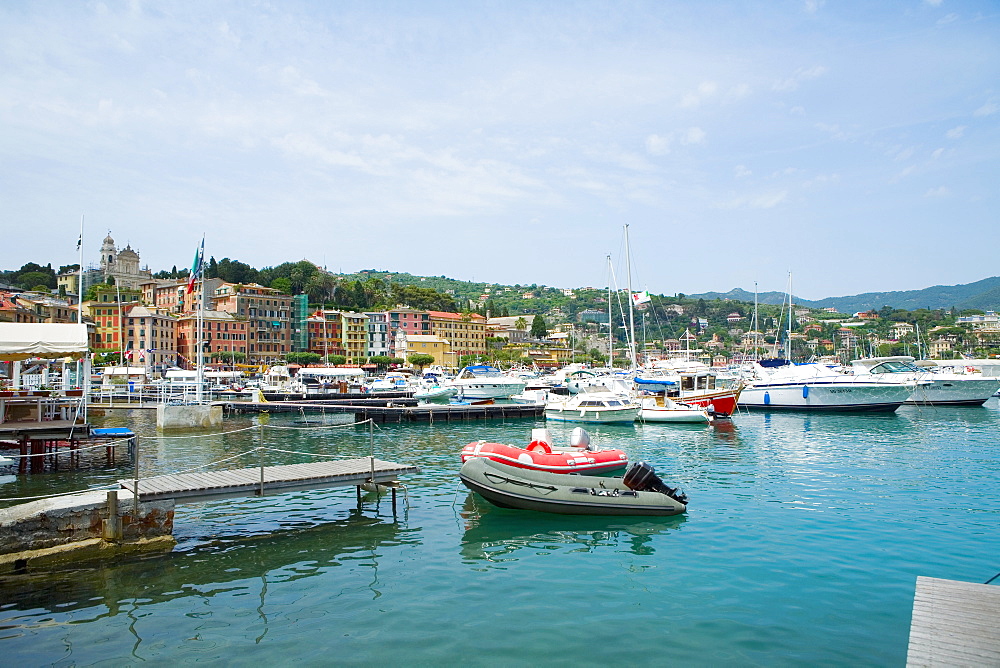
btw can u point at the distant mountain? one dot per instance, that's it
(738, 294)
(983, 295)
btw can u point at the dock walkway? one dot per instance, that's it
(954, 624)
(393, 413)
(202, 486)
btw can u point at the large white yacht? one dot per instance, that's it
(779, 384)
(485, 382)
(937, 386)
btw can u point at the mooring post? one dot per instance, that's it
(260, 453)
(135, 484)
(371, 442)
(394, 501)
(112, 525)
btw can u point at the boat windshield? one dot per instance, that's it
(895, 366)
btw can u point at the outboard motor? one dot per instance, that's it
(642, 478)
(579, 438)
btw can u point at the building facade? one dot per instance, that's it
(267, 314)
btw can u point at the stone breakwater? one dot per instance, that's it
(75, 527)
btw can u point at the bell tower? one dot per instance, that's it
(109, 254)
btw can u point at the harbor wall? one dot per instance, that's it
(188, 417)
(81, 526)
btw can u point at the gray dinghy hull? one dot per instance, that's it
(524, 489)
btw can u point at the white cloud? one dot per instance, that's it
(692, 136)
(813, 6)
(658, 144)
(940, 191)
(800, 75)
(937, 153)
(950, 18)
(663, 144)
(987, 109)
(693, 100)
(757, 201)
(956, 132)
(933, 3)
(742, 172)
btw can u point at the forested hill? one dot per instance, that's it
(983, 295)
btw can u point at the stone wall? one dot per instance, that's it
(72, 518)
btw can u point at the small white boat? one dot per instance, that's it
(671, 411)
(531, 397)
(593, 407)
(435, 393)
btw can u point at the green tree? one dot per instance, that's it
(420, 360)
(521, 324)
(303, 358)
(539, 330)
(336, 360)
(30, 279)
(282, 285)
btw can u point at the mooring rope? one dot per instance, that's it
(72, 451)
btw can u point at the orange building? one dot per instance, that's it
(221, 332)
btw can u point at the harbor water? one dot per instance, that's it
(801, 546)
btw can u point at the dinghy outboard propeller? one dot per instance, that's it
(641, 477)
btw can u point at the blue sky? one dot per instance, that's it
(854, 144)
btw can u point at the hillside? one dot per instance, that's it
(983, 295)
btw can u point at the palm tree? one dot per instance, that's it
(521, 324)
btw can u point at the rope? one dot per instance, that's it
(242, 454)
(992, 578)
(222, 433)
(325, 426)
(296, 452)
(56, 453)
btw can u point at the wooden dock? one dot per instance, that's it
(954, 624)
(259, 481)
(389, 412)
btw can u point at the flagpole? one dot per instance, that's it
(201, 322)
(79, 288)
(80, 365)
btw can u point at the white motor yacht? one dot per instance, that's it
(938, 386)
(780, 384)
(485, 382)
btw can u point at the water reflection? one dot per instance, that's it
(497, 535)
(236, 563)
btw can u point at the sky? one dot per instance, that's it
(851, 145)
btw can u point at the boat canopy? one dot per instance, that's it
(25, 340)
(331, 372)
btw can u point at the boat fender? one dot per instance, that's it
(539, 446)
(805, 391)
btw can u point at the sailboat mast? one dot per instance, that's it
(631, 310)
(611, 344)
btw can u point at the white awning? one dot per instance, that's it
(24, 340)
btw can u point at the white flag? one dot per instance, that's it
(640, 298)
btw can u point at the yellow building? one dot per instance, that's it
(465, 332)
(435, 346)
(354, 329)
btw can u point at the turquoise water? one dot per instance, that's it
(803, 540)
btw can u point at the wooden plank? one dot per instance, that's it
(954, 623)
(205, 484)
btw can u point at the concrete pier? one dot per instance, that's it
(83, 526)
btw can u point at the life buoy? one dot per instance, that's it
(539, 446)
